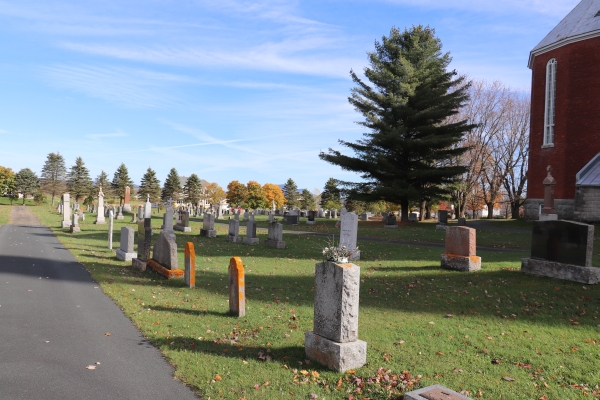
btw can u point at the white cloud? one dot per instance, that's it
(130, 87)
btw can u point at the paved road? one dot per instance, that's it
(53, 321)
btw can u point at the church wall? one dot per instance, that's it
(587, 204)
(564, 208)
(577, 117)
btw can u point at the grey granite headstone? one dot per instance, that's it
(165, 250)
(208, 226)
(66, 222)
(234, 230)
(413, 217)
(75, 223)
(250, 238)
(184, 222)
(125, 251)
(349, 233)
(443, 217)
(110, 228)
(275, 236)
(561, 241)
(334, 339)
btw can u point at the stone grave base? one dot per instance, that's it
(139, 264)
(461, 263)
(234, 239)
(434, 392)
(120, 217)
(390, 226)
(127, 207)
(251, 241)
(124, 256)
(182, 228)
(310, 222)
(548, 217)
(74, 229)
(208, 233)
(275, 243)
(65, 224)
(568, 272)
(167, 273)
(337, 356)
(355, 256)
(441, 226)
(100, 222)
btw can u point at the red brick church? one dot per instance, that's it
(565, 116)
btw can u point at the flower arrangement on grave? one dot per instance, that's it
(337, 253)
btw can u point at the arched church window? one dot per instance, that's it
(550, 102)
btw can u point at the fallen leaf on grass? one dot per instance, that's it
(449, 315)
(508, 379)
(90, 367)
(256, 387)
(439, 353)
(218, 378)
(107, 334)
(399, 342)
(313, 396)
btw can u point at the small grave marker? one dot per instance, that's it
(237, 287)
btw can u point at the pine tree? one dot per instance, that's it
(102, 180)
(290, 191)
(331, 195)
(120, 181)
(193, 189)
(237, 194)
(150, 185)
(307, 201)
(26, 182)
(255, 195)
(79, 182)
(410, 98)
(172, 188)
(53, 174)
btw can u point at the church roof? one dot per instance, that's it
(583, 22)
(590, 174)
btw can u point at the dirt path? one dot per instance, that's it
(20, 215)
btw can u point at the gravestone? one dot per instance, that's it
(435, 392)
(246, 215)
(413, 217)
(144, 243)
(328, 214)
(333, 213)
(390, 221)
(120, 213)
(303, 214)
(321, 213)
(237, 287)
(165, 250)
(168, 219)
(189, 274)
(271, 217)
(334, 340)
(311, 217)
(110, 228)
(462, 222)
(562, 249)
(348, 234)
(250, 238)
(442, 219)
(148, 208)
(292, 219)
(219, 212)
(82, 215)
(208, 226)
(126, 202)
(134, 218)
(275, 236)
(125, 251)
(234, 230)
(75, 223)
(184, 222)
(460, 252)
(66, 221)
(364, 217)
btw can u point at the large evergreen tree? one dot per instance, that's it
(120, 181)
(410, 96)
(193, 189)
(79, 182)
(27, 182)
(150, 185)
(255, 195)
(307, 201)
(331, 197)
(53, 174)
(102, 180)
(290, 191)
(172, 187)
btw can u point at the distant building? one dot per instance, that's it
(565, 116)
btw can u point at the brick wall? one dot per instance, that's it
(577, 117)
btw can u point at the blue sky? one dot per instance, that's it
(228, 89)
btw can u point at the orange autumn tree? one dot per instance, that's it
(237, 194)
(273, 192)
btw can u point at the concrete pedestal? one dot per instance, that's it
(127, 207)
(548, 217)
(182, 228)
(568, 272)
(139, 264)
(251, 241)
(438, 391)
(74, 229)
(337, 356)
(461, 263)
(65, 224)
(208, 233)
(275, 243)
(310, 222)
(234, 239)
(124, 256)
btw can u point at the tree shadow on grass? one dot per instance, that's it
(194, 312)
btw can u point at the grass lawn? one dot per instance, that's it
(496, 333)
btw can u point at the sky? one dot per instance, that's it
(230, 89)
